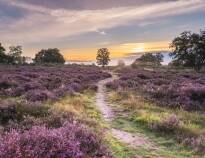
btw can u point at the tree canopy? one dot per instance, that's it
(151, 58)
(189, 50)
(49, 56)
(3, 56)
(15, 52)
(103, 57)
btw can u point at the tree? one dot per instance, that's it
(49, 56)
(15, 53)
(156, 59)
(3, 57)
(103, 57)
(2, 49)
(189, 49)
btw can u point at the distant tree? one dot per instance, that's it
(103, 57)
(3, 56)
(15, 53)
(121, 63)
(189, 49)
(49, 56)
(151, 58)
(2, 49)
(175, 63)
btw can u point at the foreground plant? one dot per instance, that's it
(72, 140)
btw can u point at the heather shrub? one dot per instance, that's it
(31, 109)
(53, 120)
(112, 85)
(5, 84)
(7, 111)
(72, 140)
(39, 95)
(17, 111)
(170, 124)
(92, 87)
(196, 143)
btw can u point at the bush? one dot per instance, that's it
(7, 111)
(39, 95)
(17, 111)
(170, 124)
(72, 140)
(196, 143)
(31, 109)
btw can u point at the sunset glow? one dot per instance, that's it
(116, 51)
(79, 28)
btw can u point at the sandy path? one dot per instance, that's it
(102, 104)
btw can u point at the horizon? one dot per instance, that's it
(80, 28)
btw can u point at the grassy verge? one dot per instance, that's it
(173, 131)
(119, 149)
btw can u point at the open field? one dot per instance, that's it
(66, 112)
(165, 106)
(48, 112)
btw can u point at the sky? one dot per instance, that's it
(80, 27)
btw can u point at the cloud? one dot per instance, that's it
(89, 4)
(101, 32)
(45, 24)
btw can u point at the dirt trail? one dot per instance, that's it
(102, 104)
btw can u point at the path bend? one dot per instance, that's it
(104, 107)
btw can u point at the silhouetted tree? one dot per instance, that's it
(189, 49)
(15, 53)
(103, 57)
(4, 58)
(49, 56)
(151, 58)
(2, 54)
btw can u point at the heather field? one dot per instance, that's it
(166, 105)
(78, 111)
(37, 84)
(102, 79)
(166, 87)
(47, 112)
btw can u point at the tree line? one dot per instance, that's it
(45, 56)
(14, 56)
(188, 50)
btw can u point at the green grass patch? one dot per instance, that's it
(136, 115)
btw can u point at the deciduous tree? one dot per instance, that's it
(49, 56)
(103, 57)
(189, 49)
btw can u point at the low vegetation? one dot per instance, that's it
(171, 88)
(167, 105)
(47, 109)
(45, 112)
